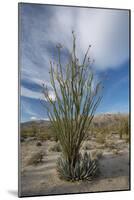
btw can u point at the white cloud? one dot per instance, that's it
(29, 93)
(106, 30)
(36, 95)
(33, 118)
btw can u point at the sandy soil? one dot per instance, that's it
(42, 179)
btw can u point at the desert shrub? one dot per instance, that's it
(115, 151)
(43, 136)
(27, 133)
(101, 133)
(99, 154)
(85, 168)
(41, 131)
(109, 122)
(87, 146)
(110, 145)
(96, 154)
(124, 127)
(101, 138)
(56, 148)
(36, 158)
(72, 109)
(22, 139)
(38, 143)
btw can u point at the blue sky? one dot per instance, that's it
(42, 27)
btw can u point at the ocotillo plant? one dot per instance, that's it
(76, 100)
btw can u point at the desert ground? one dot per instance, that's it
(41, 178)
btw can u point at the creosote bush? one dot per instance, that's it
(56, 148)
(101, 138)
(77, 97)
(38, 143)
(36, 158)
(87, 145)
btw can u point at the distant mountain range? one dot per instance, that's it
(98, 119)
(37, 123)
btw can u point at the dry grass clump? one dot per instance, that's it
(36, 158)
(96, 154)
(56, 148)
(87, 146)
(43, 136)
(115, 151)
(101, 133)
(101, 138)
(110, 145)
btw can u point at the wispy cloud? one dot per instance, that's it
(36, 95)
(31, 94)
(33, 118)
(42, 27)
